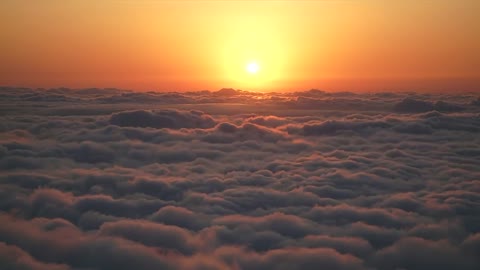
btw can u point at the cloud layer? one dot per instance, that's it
(112, 179)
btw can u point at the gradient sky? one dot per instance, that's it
(195, 45)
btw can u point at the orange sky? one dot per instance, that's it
(195, 45)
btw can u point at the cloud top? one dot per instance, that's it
(112, 179)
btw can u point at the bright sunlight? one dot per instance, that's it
(253, 68)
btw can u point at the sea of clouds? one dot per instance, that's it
(113, 179)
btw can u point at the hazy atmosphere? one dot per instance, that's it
(196, 45)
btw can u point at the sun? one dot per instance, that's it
(252, 67)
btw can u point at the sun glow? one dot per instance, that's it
(252, 68)
(255, 56)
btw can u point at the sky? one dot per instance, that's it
(195, 45)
